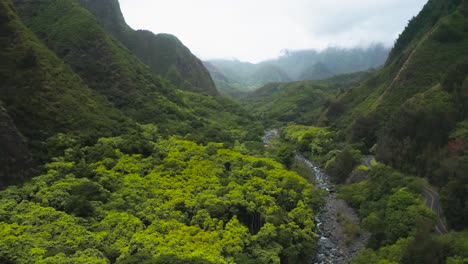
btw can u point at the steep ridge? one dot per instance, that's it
(421, 56)
(415, 108)
(164, 53)
(97, 88)
(42, 95)
(103, 63)
(111, 69)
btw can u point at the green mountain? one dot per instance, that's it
(64, 74)
(295, 66)
(318, 71)
(164, 53)
(233, 79)
(426, 50)
(42, 94)
(224, 85)
(111, 69)
(299, 102)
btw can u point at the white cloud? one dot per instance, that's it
(254, 30)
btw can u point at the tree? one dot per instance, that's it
(286, 156)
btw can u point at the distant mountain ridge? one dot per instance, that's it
(302, 65)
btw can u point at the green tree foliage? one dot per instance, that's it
(341, 166)
(314, 140)
(286, 156)
(388, 204)
(177, 201)
(390, 207)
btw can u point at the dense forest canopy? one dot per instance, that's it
(117, 147)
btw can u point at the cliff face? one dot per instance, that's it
(164, 53)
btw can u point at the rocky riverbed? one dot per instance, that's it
(332, 246)
(270, 135)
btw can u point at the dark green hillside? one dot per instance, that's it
(164, 53)
(105, 65)
(299, 102)
(412, 70)
(421, 24)
(42, 95)
(109, 68)
(15, 157)
(415, 108)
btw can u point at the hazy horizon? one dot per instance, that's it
(256, 31)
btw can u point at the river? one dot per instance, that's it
(331, 246)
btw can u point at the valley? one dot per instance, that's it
(121, 146)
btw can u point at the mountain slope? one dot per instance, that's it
(15, 157)
(337, 60)
(114, 71)
(296, 66)
(318, 71)
(111, 69)
(164, 53)
(43, 95)
(416, 68)
(268, 73)
(103, 63)
(415, 108)
(299, 102)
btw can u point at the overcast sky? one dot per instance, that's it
(254, 30)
